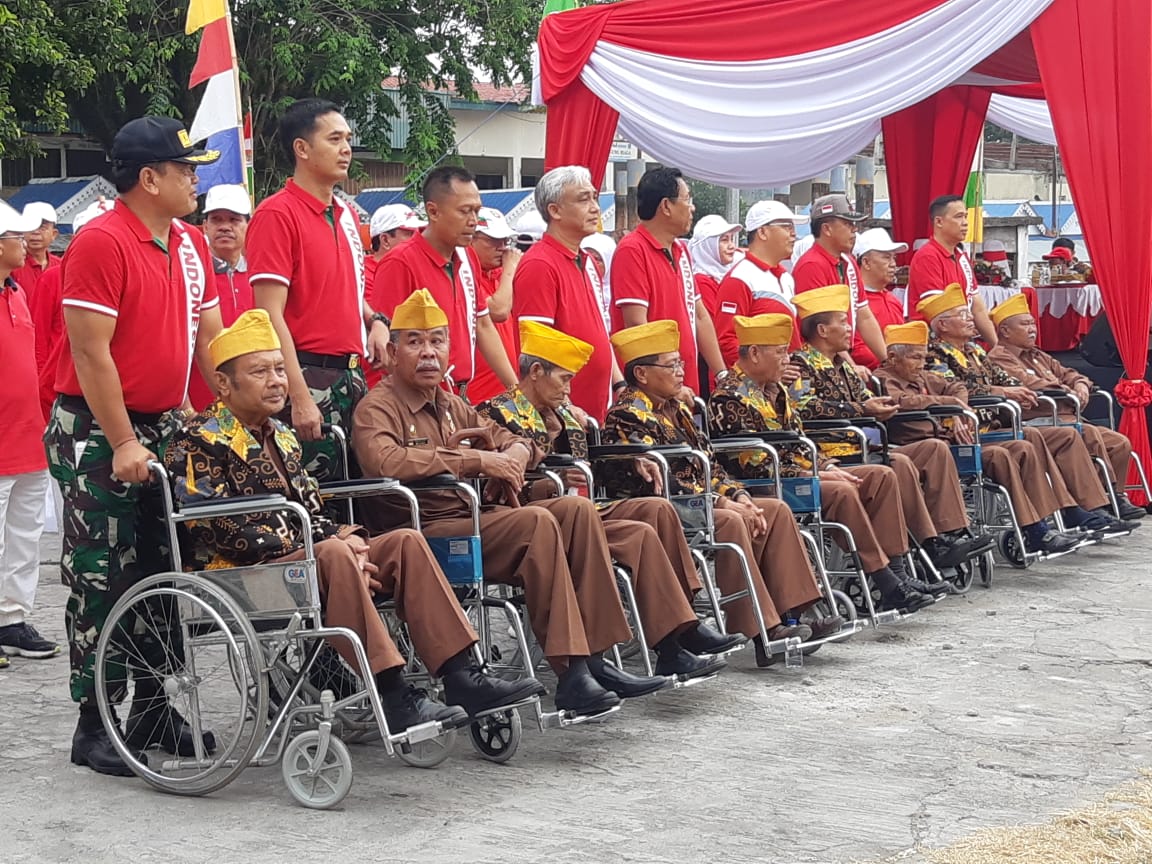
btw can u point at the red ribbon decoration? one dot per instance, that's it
(1133, 393)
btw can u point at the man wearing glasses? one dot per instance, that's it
(38, 241)
(759, 285)
(139, 303)
(652, 273)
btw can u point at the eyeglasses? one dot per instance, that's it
(679, 200)
(675, 365)
(19, 237)
(965, 315)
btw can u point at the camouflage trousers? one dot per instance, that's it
(114, 536)
(336, 393)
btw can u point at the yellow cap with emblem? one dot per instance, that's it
(419, 312)
(912, 333)
(559, 349)
(950, 298)
(646, 340)
(1017, 304)
(771, 329)
(830, 298)
(251, 332)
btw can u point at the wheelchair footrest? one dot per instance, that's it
(679, 681)
(890, 616)
(416, 734)
(523, 703)
(561, 719)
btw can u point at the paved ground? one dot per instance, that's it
(1000, 707)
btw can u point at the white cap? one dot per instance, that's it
(713, 225)
(13, 220)
(802, 245)
(41, 212)
(491, 223)
(393, 216)
(763, 212)
(876, 240)
(96, 208)
(230, 197)
(531, 224)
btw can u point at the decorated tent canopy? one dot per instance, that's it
(755, 95)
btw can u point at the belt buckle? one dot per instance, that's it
(354, 361)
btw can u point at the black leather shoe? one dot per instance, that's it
(625, 684)
(936, 589)
(406, 707)
(822, 628)
(955, 550)
(905, 599)
(1052, 543)
(1128, 510)
(703, 639)
(476, 692)
(91, 746)
(152, 722)
(683, 664)
(577, 691)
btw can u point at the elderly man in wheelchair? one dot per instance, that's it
(236, 448)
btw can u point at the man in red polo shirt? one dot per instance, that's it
(389, 226)
(38, 241)
(759, 285)
(306, 266)
(652, 273)
(830, 262)
(440, 259)
(558, 284)
(23, 470)
(139, 304)
(941, 262)
(498, 263)
(876, 256)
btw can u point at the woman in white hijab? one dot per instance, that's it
(714, 251)
(602, 247)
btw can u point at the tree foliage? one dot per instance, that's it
(137, 59)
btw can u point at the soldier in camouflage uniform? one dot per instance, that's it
(139, 300)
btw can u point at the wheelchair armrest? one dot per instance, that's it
(910, 416)
(346, 487)
(826, 425)
(604, 451)
(229, 506)
(559, 460)
(947, 410)
(1054, 393)
(986, 401)
(774, 436)
(437, 481)
(734, 442)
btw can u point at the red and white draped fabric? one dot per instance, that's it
(754, 95)
(1029, 118)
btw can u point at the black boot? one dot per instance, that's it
(577, 691)
(1128, 511)
(92, 746)
(152, 722)
(703, 639)
(904, 598)
(624, 684)
(405, 707)
(476, 692)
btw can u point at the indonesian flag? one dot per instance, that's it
(219, 118)
(974, 197)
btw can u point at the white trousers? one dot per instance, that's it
(22, 506)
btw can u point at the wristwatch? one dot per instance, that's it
(722, 374)
(381, 317)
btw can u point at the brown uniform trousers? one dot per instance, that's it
(645, 536)
(1115, 449)
(1019, 466)
(556, 551)
(781, 573)
(410, 574)
(1075, 479)
(866, 510)
(927, 466)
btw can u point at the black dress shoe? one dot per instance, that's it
(1128, 510)
(936, 589)
(91, 746)
(152, 722)
(680, 663)
(476, 692)
(952, 551)
(406, 707)
(904, 599)
(577, 691)
(703, 639)
(625, 684)
(1052, 543)
(822, 628)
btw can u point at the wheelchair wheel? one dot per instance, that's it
(987, 565)
(497, 736)
(427, 754)
(188, 636)
(314, 781)
(855, 596)
(962, 576)
(1011, 551)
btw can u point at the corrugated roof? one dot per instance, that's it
(54, 192)
(505, 200)
(371, 199)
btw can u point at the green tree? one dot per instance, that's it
(341, 50)
(38, 69)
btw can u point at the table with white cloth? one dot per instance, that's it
(1067, 311)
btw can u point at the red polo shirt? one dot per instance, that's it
(485, 384)
(155, 292)
(932, 269)
(706, 289)
(235, 292)
(28, 277)
(735, 297)
(23, 421)
(646, 274)
(888, 311)
(415, 264)
(48, 318)
(313, 248)
(552, 286)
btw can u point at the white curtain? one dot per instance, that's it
(1028, 118)
(779, 121)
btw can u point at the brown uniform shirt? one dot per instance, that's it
(916, 394)
(399, 433)
(1035, 369)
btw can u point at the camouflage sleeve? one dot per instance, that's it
(999, 377)
(938, 365)
(810, 405)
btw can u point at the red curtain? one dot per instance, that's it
(580, 131)
(928, 148)
(1096, 63)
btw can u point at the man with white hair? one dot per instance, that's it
(37, 242)
(759, 285)
(498, 263)
(557, 282)
(390, 226)
(876, 255)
